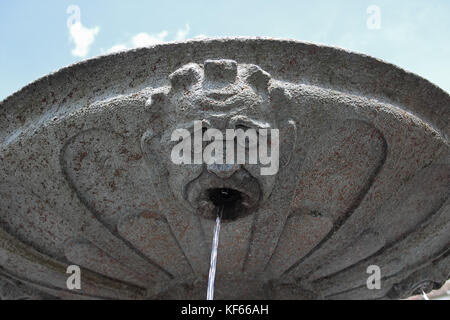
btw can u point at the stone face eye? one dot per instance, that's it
(242, 127)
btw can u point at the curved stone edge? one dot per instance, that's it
(384, 80)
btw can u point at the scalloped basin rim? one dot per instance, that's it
(418, 96)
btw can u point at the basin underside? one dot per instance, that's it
(363, 181)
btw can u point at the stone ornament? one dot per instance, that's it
(87, 178)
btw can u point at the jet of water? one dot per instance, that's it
(212, 269)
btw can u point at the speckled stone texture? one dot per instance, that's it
(86, 176)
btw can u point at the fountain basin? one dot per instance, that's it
(87, 180)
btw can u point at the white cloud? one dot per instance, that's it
(83, 38)
(117, 48)
(182, 33)
(144, 39)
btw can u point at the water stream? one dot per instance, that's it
(212, 269)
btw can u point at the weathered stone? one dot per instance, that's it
(86, 176)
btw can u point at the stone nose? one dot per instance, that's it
(223, 171)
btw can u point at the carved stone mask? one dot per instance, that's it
(222, 95)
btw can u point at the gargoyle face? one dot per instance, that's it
(220, 95)
(239, 188)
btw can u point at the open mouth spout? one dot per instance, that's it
(229, 202)
(232, 199)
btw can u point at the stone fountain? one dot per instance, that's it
(363, 180)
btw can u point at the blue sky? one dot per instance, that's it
(36, 39)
